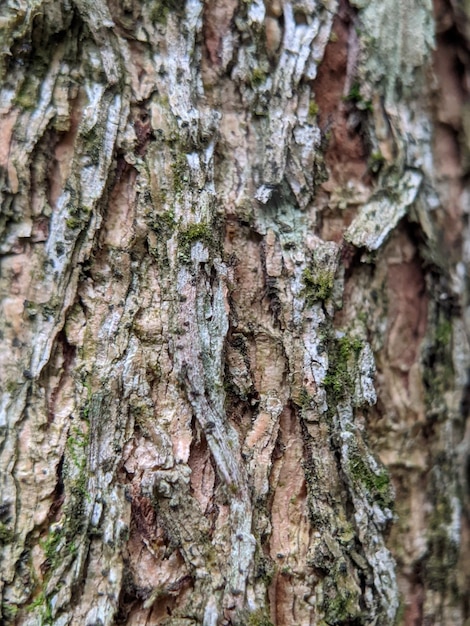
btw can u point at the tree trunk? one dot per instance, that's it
(234, 335)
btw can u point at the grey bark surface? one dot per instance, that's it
(235, 323)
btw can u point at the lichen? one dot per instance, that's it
(397, 39)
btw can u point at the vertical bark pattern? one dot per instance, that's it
(234, 320)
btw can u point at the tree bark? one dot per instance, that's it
(235, 320)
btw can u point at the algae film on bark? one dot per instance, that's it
(234, 312)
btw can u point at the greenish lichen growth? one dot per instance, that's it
(341, 608)
(62, 541)
(438, 370)
(257, 77)
(376, 162)
(6, 534)
(78, 217)
(77, 443)
(9, 612)
(27, 97)
(341, 599)
(163, 224)
(443, 333)
(264, 567)
(377, 485)
(259, 618)
(194, 232)
(85, 410)
(44, 603)
(36, 65)
(303, 398)
(355, 97)
(180, 170)
(62, 537)
(161, 9)
(443, 552)
(94, 139)
(313, 108)
(343, 353)
(318, 285)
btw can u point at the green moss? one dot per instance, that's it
(354, 94)
(94, 152)
(346, 534)
(6, 534)
(303, 399)
(313, 108)
(73, 223)
(264, 568)
(376, 484)
(258, 77)
(443, 552)
(77, 442)
(11, 386)
(443, 333)
(51, 545)
(163, 224)
(341, 608)
(400, 614)
(438, 370)
(85, 410)
(43, 602)
(376, 161)
(318, 286)
(37, 62)
(342, 355)
(179, 168)
(94, 142)
(195, 232)
(259, 618)
(9, 611)
(27, 97)
(78, 217)
(161, 9)
(62, 539)
(357, 99)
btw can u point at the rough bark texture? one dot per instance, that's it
(234, 333)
